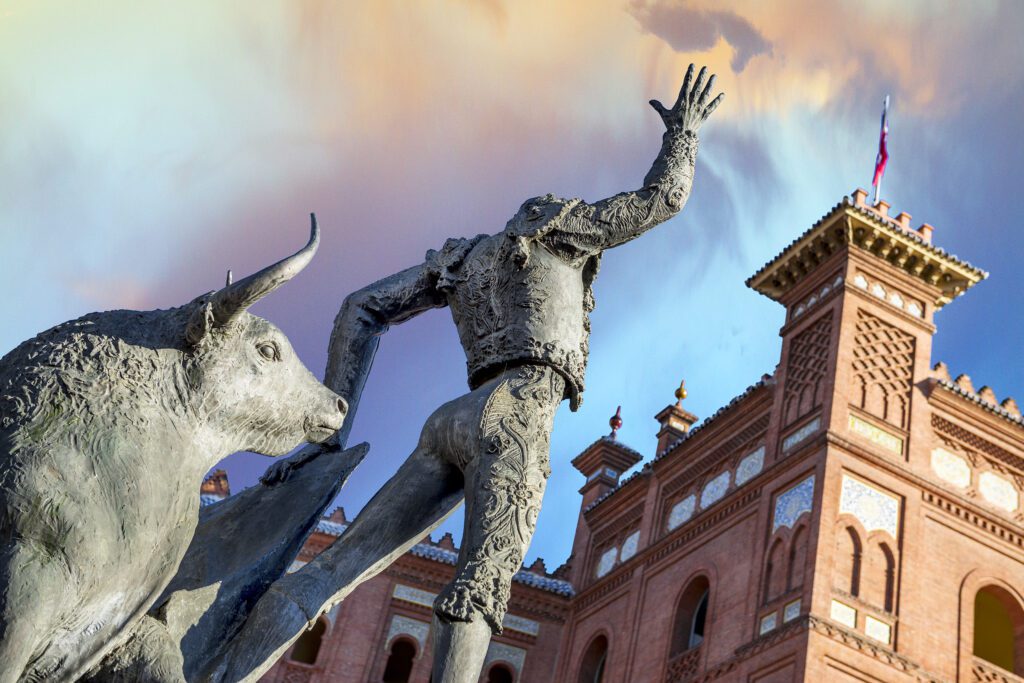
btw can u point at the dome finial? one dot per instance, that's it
(615, 422)
(681, 392)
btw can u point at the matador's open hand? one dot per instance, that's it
(691, 108)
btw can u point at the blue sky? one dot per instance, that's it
(149, 147)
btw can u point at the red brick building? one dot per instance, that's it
(856, 515)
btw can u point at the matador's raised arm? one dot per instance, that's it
(613, 221)
(364, 316)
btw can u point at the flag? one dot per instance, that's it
(883, 153)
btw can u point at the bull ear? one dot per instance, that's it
(231, 301)
(199, 325)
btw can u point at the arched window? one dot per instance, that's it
(879, 577)
(689, 626)
(775, 572)
(499, 673)
(699, 620)
(797, 558)
(847, 561)
(399, 664)
(592, 667)
(307, 647)
(999, 629)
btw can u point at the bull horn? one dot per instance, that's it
(231, 301)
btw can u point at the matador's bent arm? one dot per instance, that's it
(365, 315)
(610, 222)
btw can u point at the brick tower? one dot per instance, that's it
(855, 516)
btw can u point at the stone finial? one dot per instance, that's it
(903, 218)
(860, 196)
(941, 371)
(563, 570)
(925, 231)
(228, 280)
(882, 208)
(681, 392)
(615, 422)
(988, 395)
(964, 382)
(447, 541)
(1010, 406)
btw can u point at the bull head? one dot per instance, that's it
(248, 382)
(227, 305)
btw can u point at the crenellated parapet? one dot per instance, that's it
(854, 224)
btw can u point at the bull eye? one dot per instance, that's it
(269, 351)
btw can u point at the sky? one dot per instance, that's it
(148, 147)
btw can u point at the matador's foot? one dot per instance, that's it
(460, 601)
(455, 602)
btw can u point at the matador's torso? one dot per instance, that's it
(519, 297)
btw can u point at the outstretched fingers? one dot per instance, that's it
(703, 99)
(713, 106)
(698, 85)
(684, 91)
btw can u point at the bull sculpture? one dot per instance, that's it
(108, 424)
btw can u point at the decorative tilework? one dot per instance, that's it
(607, 561)
(500, 652)
(997, 491)
(877, 629)
(793, 502)
(838, 281)
(768, 623)
(860, 281)
(714, 490)
(410, 627)
(878, 290)
(682, 511)
(750, 466)
(889, 442)
(521, 624)
(874, 509)
(844, 614)
(896, 300)
(611, 473)
(414, 595)
(629, 546)
(801, 434)
(913, 309)
(951, 468)
(791, 611)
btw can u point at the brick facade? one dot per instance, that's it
(845, 518)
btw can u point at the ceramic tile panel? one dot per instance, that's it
(750, 466)
(951, 468)
(793, 502)
(873, 508)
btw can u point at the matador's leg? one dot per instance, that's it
(424, 491)
(504, 486)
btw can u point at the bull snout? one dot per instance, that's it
(323, 425)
